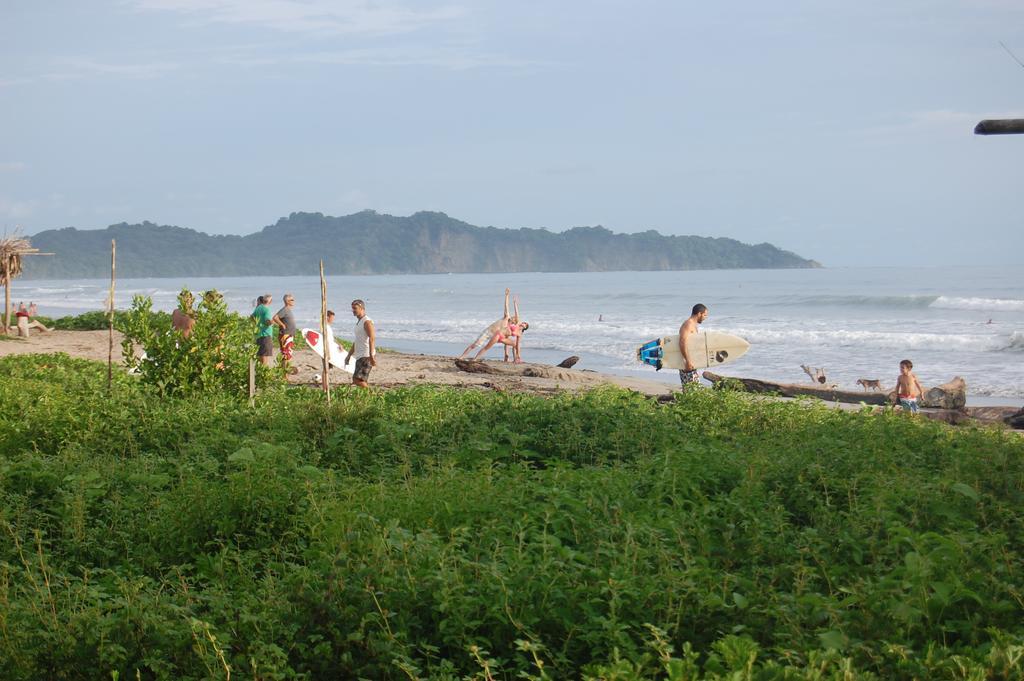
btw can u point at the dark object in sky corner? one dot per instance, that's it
(995, 126)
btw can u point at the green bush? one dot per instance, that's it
(436, 533)
(215, 356)
(95, 320)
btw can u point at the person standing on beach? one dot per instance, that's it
(328, 342)
(365, 346)
(183, 318)
(688, 376)
(264, 329)
(908, 388)
(285, 320)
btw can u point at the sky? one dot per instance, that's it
(842, 131)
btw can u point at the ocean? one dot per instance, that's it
(854, 322)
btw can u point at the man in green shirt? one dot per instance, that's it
(265, 329)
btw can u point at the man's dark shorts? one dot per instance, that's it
(265, 346)
(689, 378)
(362, 372)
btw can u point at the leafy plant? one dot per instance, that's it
(442, 534)
(215, 356)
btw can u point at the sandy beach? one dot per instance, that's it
(393, 368)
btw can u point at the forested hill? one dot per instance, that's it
(372, 243)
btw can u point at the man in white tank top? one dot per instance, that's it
(365, 346)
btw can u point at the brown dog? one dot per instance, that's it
(869, 383)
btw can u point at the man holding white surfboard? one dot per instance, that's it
(688, 374)
(692, 349)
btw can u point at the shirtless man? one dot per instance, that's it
(908, 388)
(689, 376)
(183, 318)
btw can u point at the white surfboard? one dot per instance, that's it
(706, 348)
(315, 343)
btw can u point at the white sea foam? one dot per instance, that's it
(826, 300)
(896, 340)
(995, 304)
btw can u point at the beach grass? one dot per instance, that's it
(426, 532)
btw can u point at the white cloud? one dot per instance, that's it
(440, 57)
(12, 166)
(14, 209)
(80, 67)
(309, 16)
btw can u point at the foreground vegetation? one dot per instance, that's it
(429, 533)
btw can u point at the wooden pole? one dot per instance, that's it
(252, 383)
(110, 347)
(323, 333)
(7, 297)
(995, 126)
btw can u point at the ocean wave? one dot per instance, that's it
(882, 339)
(908, 301)
(826, 300)
(937, 302)
(996, 304)
(46, 291)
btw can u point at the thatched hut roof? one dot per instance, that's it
(12, 248)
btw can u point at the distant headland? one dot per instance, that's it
(373, 243)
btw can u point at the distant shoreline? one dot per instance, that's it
(374, 243)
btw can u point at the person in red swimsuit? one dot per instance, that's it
(509, 333)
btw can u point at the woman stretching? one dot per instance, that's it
(501, 332)
(509, 334)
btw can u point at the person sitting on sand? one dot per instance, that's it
(908, 388)
(183, 318)
(25, 322)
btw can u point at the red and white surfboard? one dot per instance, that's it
(315, 342)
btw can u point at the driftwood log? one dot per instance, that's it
(952, 395)
(502, 369)
(1015, 420)
(473, 367)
